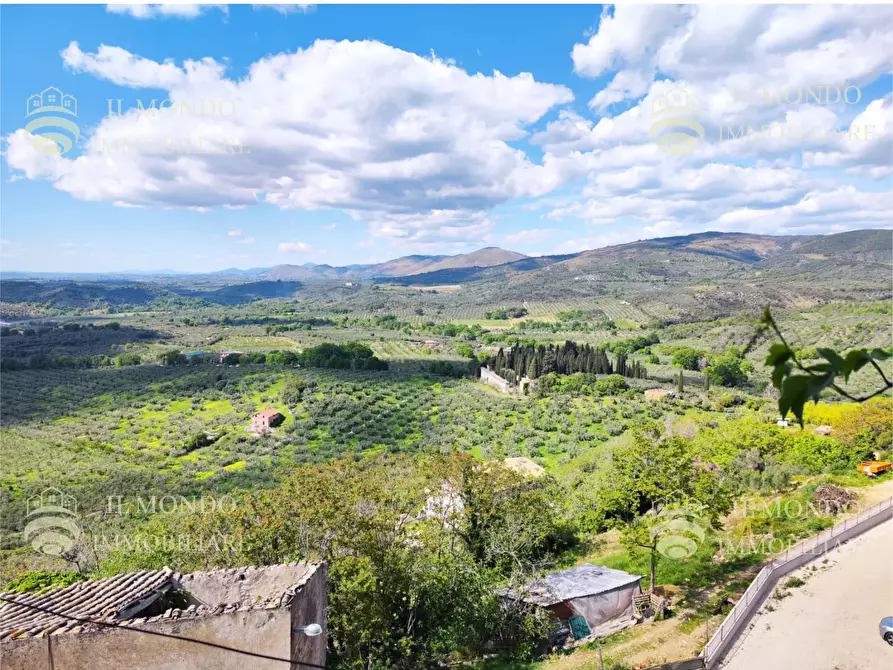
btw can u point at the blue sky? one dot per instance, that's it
(377, 131)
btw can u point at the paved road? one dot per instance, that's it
(831, 622)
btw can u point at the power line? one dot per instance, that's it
(106, 624)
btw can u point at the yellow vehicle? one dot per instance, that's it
(874, 468)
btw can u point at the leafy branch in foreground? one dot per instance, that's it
(797, 389)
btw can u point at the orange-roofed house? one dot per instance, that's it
(266, 419)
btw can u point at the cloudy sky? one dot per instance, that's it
(288, 134)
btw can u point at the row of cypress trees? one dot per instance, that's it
(568, 358)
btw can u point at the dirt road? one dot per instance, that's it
(831, 622)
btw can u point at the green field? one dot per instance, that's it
(103, 407)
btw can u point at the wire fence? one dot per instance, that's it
(781, 565)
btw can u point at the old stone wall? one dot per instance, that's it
(309, 606)
(260, 626)
(266, 632)
(494, 380)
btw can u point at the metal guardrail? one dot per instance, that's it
(781, 565)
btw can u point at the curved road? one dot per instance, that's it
(831, 622)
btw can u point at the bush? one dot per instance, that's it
(687, 358)
(611, 385)
(730, 369)
(124, 360)
(505, 314)
(632, 344)
(39, 580)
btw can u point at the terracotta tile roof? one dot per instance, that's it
(269, 413)
(118, 599)
(101, 600)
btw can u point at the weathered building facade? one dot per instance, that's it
(135, 615)
(266, 419)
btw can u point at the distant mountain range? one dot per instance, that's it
(398, 267)
(791, 251)
(699, 255)
(705, 273)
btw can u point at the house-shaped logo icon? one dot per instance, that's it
(51, 113)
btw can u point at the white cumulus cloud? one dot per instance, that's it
(151, 11)
(417, 148)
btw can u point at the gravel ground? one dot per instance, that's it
(831, 622)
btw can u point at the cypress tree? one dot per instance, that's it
(621, 365)
(549, 362)
(680, 384)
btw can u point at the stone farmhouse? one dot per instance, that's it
(266, 419)
(126, 621)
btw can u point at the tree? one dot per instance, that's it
(465, 350)
(869, 429)
(508, 522)
(173, 357)
(417, 553)
(659, 496)
(284, 358)
(548, 361)
(680, 383)
(293, 390)
(687, 357)
(610, 385)
(231, 359)
(729, 369)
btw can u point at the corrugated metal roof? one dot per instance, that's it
(585, 580)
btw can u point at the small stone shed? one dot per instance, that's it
(601, 597)
(251, 609)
